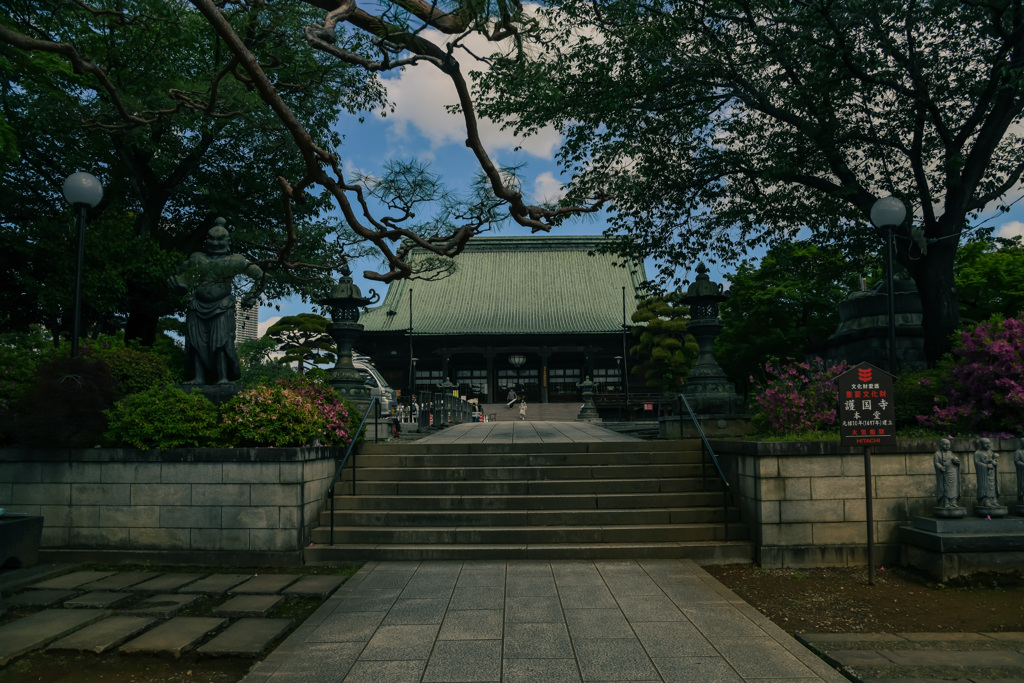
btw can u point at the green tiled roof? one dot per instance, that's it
(516, 285)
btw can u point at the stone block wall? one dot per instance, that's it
(805, 501)
(211, 506)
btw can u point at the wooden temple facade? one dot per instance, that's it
(539, 314)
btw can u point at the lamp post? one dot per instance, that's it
(82, 191)
(622, 396)
(888, 213)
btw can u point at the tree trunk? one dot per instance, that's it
(933, 275)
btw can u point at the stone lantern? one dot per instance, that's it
(588, 412)
(344, 304)
(707, 389)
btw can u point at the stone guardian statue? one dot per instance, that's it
(947, 483)
(986, 468)
(210, 316)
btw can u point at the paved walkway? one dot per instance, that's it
(524, 432)
(538, 621)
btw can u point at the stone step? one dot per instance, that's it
(662, 533)
(585, 501)
(460, 473)
(529, 449)
(718, 552)
(522, 488)
(630, 458)
(542, 518)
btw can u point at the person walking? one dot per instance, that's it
(522, 410)
(511, 398)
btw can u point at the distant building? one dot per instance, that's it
(246, 322)
(552, 304)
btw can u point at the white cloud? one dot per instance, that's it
(547, 188)
(264, 325)
(422, 92)
(1011, 229)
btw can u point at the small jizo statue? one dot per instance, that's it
(986, 467)
(947, 482)
(1018, 462)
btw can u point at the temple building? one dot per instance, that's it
(539, 314)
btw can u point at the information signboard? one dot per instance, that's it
(867, 414)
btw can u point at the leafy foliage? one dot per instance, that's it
(287, 413)
(664, 349)
(64, 408)
(796, 397)
(133, 369)
(985, 387)
(786, 306)
(916, 395)
(258, 367)
(990, 279)
(162, 417)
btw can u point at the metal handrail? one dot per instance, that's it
(348, 451)
(714, 459)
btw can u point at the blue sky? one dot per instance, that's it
(421, 128)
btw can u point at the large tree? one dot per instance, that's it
(717, 126)
(144, 94)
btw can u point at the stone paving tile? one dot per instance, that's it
(860, 658)
(318, 586)
(673, 640)
(517, 670)
(945, 637)
(248, 606)
(165, 583)
(605, 659)
(537, 641)
(321, 663)
(574, 596)
(760, 658)
(406, 641)
(464, 660)
(104, 635)
(1011, 635)
(120, 581)
(400, 671)
(976, 658)
(694, 669)
(39, 598)
(477, 597)
(72, 580)
(265, 584)
(417, 611)
(597, 623)
(177, 636)
(638, 608)
(215, 584)
(247, 637)
(99, 600)
(374, 600)
(474, 624)
(37, 630)
(533, 609)
(162, 606)
(348, 627)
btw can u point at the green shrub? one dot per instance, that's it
(64, 408)
(162, 417)
(132, 368)
(917, 393)
(270, 416)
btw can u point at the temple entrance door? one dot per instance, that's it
(525, 380)
(562, 384)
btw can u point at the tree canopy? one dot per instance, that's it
(718, 126)
(303, 339)
(663, 352)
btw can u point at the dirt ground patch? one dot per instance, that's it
(839, 600)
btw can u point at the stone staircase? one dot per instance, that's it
(630, 499)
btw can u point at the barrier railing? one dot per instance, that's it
(706, 447)
(373, 407)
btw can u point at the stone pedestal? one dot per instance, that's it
(19, 540)
(345, 379)
(945, 548)
(992, 511)
(952, 512)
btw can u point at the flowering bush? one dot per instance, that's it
(796, 397)
(291, 412)
(985, 389)
(162, 418)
